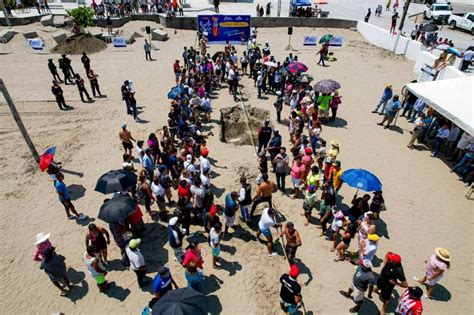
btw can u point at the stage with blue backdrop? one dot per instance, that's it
(221, 28)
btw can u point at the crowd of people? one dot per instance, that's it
(456, 145)
(175, 171)
(121, 8)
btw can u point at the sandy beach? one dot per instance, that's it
(426, 206)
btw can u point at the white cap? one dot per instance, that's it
(173, 221)
(123, 125)
(189, 158)
(278, 92)
(367, 263)
(126, 164)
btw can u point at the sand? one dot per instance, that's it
(426, 204)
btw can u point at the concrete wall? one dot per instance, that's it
(20, 21)
(450, 72)
(382, 38)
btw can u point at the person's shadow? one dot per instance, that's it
(214, 306)
(231, 266)
(117, 292)
(304, 270)
(80, 286)
(211, 284)
(76, 191)
(440, 293)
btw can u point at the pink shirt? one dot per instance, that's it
(193, 256)
(297, 171)
(435, 263)
(39, 250)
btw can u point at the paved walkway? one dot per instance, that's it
(344, 9)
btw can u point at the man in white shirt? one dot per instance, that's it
(259, 83)
(466, 138)
(267, 220)
(467, 59)
(441, 136)
(137, 262)
(204, 161)
(188, 166)
(214, 242)
(419, 124)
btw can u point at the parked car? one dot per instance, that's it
(462, 21)
(438, 12)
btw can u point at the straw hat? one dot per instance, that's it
(335, 143)
(443, 253)
(41, 238)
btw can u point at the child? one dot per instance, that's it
(309, 203)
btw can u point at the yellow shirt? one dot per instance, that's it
(336, 178)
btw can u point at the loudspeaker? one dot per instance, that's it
(148, 30)
(290, 30)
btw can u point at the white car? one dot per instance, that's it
(462, 21)
(438, 12)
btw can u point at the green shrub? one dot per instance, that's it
(82, 16)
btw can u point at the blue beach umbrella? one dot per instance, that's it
(361, 179)
(175, 91)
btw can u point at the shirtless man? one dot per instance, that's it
(126, 137)
(293, 241)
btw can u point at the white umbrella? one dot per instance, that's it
(271, 64)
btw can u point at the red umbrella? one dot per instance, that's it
(297, 67)
(46, 158)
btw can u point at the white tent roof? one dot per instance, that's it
(452, 98)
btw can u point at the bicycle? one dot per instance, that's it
(20, 9)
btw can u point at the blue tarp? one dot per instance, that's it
(301, 3)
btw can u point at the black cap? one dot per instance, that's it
(415, 292)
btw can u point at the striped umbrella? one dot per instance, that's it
(297, 67)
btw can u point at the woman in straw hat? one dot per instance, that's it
(41, 245)
(435, 267)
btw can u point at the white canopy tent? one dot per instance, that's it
(452, 98)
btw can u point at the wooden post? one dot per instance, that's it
(19, 122)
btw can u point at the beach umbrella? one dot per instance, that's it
(442, 47)
(304, 78)
(320, 2)
(327, 86)
(117, 209)
(297, 67)
(361, 179)
(181, 302)
(116, 181)
(428, 28)
(175, 92)
(454, 51)
(46, 158)
(214, 57)
(325, 38)
(270, 64)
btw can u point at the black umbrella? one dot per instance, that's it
(181, 302)
(117, 209)
(116, 181)
(428, 28)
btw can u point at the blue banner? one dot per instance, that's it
(222, 28)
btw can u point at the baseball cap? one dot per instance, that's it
(294, 271)
(213, 210)
(123, 125)
(395, 258)
(367, 263)
(134, 243)
(173, 221)
(337, 163)
(204, 152)
(308, 151)
(415, 292)
(373, 237)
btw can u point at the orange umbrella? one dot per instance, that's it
(320, 2)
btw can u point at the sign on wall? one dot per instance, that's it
(222, 28)
(36, 43)
(310, 40)
(336, 41)
(119, 42)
